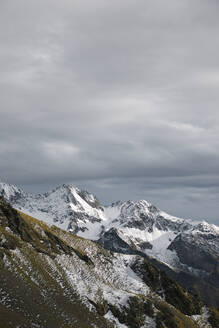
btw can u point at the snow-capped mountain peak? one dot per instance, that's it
(80, 212)
(130, 227)
(50, 278)
(124, 226)
(10, 191)
(66, 206)
(206, 228)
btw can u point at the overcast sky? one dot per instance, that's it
(120, 97)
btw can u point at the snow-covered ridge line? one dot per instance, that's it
(79, 211)
(126, 227)
(138, 224)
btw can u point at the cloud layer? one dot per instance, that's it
(120, 97)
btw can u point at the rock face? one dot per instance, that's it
(52, 278)
(185, 248)
(111, 240)
(199, 249)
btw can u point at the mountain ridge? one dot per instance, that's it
(53, 278)
(179, 246)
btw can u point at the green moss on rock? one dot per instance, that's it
(133, 315)
(169, 317)
(101, 307)
(176, 295)
(164, 286)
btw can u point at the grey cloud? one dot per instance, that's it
(120, 97)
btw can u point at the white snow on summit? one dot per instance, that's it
(138, 224)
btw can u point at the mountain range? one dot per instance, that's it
(135, 236)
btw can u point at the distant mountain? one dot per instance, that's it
(66, 206)
(52, 278)
(187, 250)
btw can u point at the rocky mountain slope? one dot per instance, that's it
(188, 251)
(53, 278)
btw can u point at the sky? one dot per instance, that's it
(118, 97)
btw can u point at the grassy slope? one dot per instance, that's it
(33, 296)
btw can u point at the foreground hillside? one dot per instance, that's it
(52, 278)
(188, 251)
